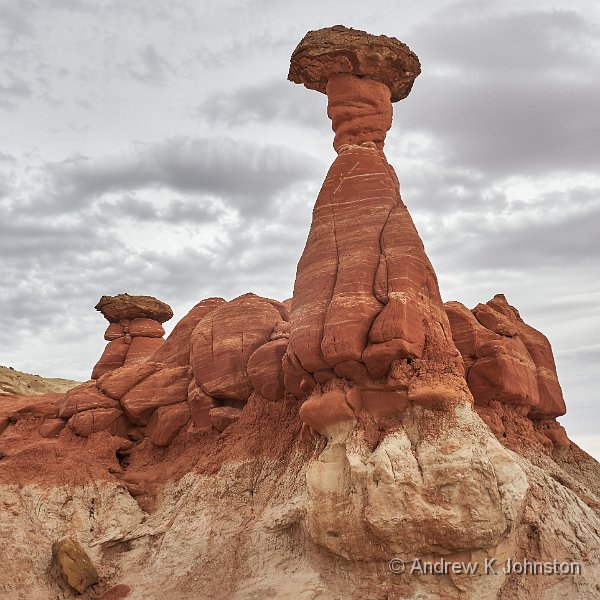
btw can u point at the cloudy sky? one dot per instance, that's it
(156, 148)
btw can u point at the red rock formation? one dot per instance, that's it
(358, 308)
(166, 422)
(163, 387)
(222, 417)
(134, 332)
(215, 358)
(223, 342)
(510, 370)
(176, 351)
(216, 432)
(505, 359)
(338, 49)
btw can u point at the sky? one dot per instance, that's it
(157, 148)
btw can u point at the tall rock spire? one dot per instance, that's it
(370, 348)
(366, 306)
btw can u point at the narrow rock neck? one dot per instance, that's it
(360, 110)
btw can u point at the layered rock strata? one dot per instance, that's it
(505, 359)
(509, 365)
(366, 304)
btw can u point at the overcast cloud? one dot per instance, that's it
(156, 149)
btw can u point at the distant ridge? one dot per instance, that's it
(13, 382)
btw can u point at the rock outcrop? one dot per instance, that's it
(505, 359)
(366, 302)
(371, 347)
(308, 449)
(216, 357)
(134, 332)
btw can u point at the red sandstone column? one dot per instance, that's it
(366, 310)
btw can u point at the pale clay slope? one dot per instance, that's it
(26, 384)
(249, 532)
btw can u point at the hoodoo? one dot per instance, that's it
(134, 332)
(366, 306)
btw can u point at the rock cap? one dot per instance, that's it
(338, 49)
(124, 306)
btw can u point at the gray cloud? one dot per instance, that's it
(7, 158)
(510, 93)
(555, 44)
(15, 19)
(176, 210)
(12, 89)
(224, 52)
(500, 130)
(151, 66)
(247, 175)
(556, 230)
(265, 102)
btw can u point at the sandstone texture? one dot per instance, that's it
(223, 342)
(134, 332)
(340, 49)
(300, 449)
(499, 351)
(73, 565)
(124, 306)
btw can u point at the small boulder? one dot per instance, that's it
(146, 328)
(124, 306)
(118, 382)
(99, 419)
(200, 407)
(72, 565)
(51, 428)
(223, 416)
(167, 386)
(265, 369)
(84, 397)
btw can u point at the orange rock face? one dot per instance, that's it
(99, 419)
(265, 369)
(505, 359)
(176, 350)
(84, 397)
(366, 295)
(166, 422)
(113, 357)
(164, 387)
(223, 416)
(223, 342)
(141, 348)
